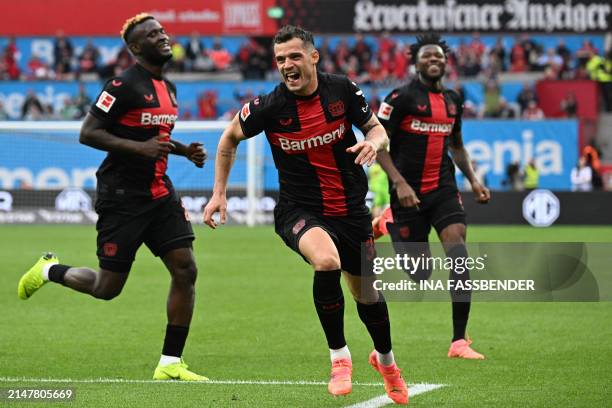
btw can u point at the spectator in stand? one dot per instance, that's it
(38, 69)
(582, 176)
(532, 52)
(10, 61)
(550, 60)
(533, 111)
(177, 63)
(569, 105)
(257, 62)
(32, 108)
(341, 54)
(207, 105)
(497, 55)
(89, 58)
(363, 52)
(220, 56)
(69, 111)
(585, 53)
(505, 111)
(492, 96)
(526, 95)
(513, 180)
(194, 49)
(518, 58)
(374, 100)
(600, 69)
(62, 53)
(531, 175)
(591, 153)
(402, 61)
(82, 101)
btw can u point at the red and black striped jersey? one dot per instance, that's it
(135, 106)
(309, 137)
(420, 122)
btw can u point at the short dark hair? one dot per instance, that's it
(428, 39)
(288, 32)
(131, 23)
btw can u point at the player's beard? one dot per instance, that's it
(159, 59)
(433, 78)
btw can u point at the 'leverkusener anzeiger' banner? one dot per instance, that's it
(344, 16)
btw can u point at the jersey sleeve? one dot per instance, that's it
(390, 112)
(252, 116)
(112, 102)
(359, 111)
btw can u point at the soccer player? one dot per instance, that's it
(423, 121)
(321, 213)
(132, 120)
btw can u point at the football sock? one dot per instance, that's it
(174, 342)
(55, 273)
(386, 359)
(167, 360)
(339, 353)
(329, 303)
(375, 316)
(461, 298)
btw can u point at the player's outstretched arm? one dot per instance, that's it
(375, 140)
(226, 153)
(462, 159)
(194, 152)
(94, 134)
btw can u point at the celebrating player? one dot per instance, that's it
(423, 121)
(321, 213)
(132, 120)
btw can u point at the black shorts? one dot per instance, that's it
(163, 225)
(348, 234)
(439, 208)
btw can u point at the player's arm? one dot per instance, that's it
(94, 134)
(462, 159)
(194, 152)
(405, 193)
(226, 153)
(375, 140)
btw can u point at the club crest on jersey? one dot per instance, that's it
(336, 108)
(384, 112)
(452, 109)
(285, 122)
(105, 101)
(245, 112)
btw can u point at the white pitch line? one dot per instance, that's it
(383, 400)
(131, 381)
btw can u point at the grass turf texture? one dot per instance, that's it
(254, 320)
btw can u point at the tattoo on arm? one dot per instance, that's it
(227, 153)
(370, 124)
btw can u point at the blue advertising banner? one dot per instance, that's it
(494, 144)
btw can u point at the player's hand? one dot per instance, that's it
(197, 154)
(366, 152)
(406, 195)
(157, 147)
(217, 204)
(481, 193)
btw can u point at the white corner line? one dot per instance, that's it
(383, 400)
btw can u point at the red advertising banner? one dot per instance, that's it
(552, 93)
(179, 17)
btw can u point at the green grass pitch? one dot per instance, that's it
(254, 320)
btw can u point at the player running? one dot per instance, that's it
(423, 121)
(321, 213)
(132, 120)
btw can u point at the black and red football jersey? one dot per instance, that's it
(419, 122)
(309, 137)
(136, 106)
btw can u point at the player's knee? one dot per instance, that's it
(453, 233)
(326, 262)
(185, 273)
(106, 293)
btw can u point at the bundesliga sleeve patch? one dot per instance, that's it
(384, 112)
(105, 101)
(245, 112)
